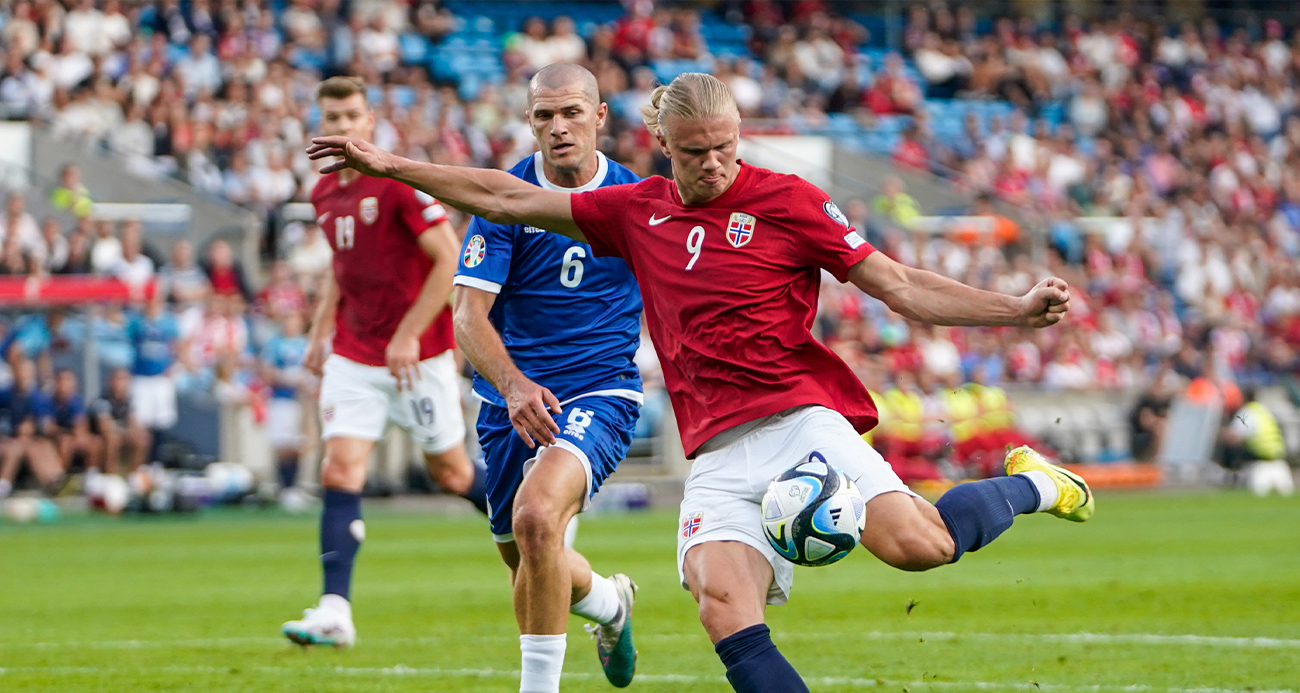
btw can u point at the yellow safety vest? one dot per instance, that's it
(963, 413)
(997, 414)
(906, 414)
(1265, 441)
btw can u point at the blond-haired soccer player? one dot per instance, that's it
(729, 259)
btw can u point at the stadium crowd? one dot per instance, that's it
(1186, 136)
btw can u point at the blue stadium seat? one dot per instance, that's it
(414, 48)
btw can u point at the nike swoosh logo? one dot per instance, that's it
(656, 222)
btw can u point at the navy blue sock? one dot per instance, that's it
(977, 512)
(338, 544)
(754, 665)
(287, 470)
(477, 493)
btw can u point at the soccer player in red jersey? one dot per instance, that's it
(729, 258)
(386, 309)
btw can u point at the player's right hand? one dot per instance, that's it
(351, 152)
(314, 359)
(527, 403)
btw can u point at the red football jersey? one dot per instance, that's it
(730, 291)
(372, 224)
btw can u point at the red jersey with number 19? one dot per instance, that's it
(730, 290)
(373, 225)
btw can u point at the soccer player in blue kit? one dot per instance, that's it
(551, 330)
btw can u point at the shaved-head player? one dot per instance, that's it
(729, 259)
(552, 330)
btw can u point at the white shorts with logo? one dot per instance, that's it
(153, 401)
(359, 401)
(726, 486)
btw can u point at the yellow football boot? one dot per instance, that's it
(1074, 501)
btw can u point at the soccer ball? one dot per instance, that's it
(813, 514)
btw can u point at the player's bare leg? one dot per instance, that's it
(451, 469)
(550, 494)
(343, 476)
(730, 581)
(112, 450)
(140, 440)
(552, 581)
(906, 532)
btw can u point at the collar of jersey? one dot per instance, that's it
(602, 170)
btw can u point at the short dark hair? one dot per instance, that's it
(341, 87)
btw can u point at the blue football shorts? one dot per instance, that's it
(597, 430)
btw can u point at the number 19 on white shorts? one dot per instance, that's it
(359, 401)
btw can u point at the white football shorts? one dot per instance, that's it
(284, 423)
(153, 401)
(726, 485)
(359, 401)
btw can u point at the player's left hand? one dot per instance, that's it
(351, 153)
(403, 358)
(1046, 303)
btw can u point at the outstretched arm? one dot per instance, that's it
(496, 196)
(935, 299)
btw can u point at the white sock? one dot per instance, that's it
(335, 602)
(543, 660)
(1047, 491)
(601, 604)
(6, 486)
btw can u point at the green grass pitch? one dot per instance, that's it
(1184, 593)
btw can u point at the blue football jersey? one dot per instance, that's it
(155, 342)
(570, 320)
(285, 354)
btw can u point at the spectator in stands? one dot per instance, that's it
(282, 296)
(106, 252)
(79, 250)
(182, 283)
(895, 205)
(564, 45)
(225, 275)
(19, 223)
(72, 434)
(893, 91)
(71, 195)
(310, 258)
(282, 362)
(377, 44)
(30, 426)
(111, 419)
(134, 267)
(20, 33)
(55, 246)
(156, 336)
(819, 57)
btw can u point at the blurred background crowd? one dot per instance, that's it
(1150, 164)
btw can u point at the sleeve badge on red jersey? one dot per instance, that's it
(740, 229)
(474, 251)
(369, 209)
(834, 212)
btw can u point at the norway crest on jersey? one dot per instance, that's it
(369, 209)
(740, 229)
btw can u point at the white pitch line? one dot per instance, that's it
(403, 670)
(1071, 638)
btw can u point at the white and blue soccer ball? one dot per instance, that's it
(813, 514)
